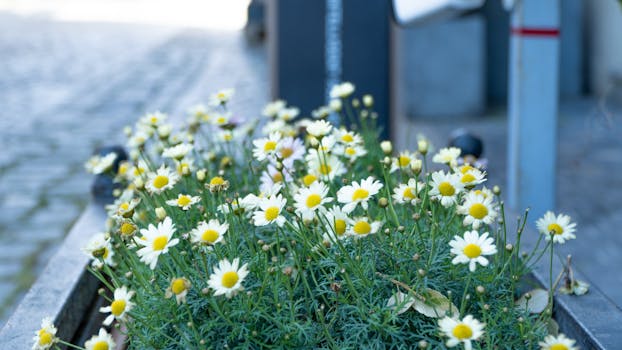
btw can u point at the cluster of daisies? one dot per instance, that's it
(209, 191)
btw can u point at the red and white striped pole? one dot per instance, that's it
(533, 105)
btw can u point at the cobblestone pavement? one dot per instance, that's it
(67, 88)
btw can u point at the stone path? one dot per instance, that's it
(66, 88)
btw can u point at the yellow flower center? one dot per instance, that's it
(408, 193)
(154, 120)
(465, 168)
(360, 194)
(272, 213)
(183, 200)
(221, 120)
(313, 200)
(362, 228)
(478, 211)
(160, 242)
(446, 189)
(45, 338)
(325, 169)
(217, 180)
(160, 181)
(462, 331)
(178, 286)
(117, 307)
(558, 346)
(277, 177)
(347, 138)
(124, 206)
(555, 228)
(229, 279)
(404, 161)
(472, 250)
(210, 236)
(127, 228)
(106, 252)
(286, 152)
(309, 179)
(467, 178)
(340, 226)
(228, 136)
(123, 167)
(269, 146)
(221, 95)
(350, 151)
(101, 345)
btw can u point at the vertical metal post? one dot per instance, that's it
(533, 105)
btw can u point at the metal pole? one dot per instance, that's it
(533, 105)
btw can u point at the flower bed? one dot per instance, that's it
(310, 236)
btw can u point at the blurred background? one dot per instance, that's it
(73, 73)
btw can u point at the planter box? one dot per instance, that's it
(68, 293)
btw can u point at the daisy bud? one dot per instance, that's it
(116, 192)
(201, 174)
(139, 183)
(524, 255)
(421, 272)
(505, 309)
(282, 250)
(386, 161)
(260, 242)
(373, 115)
(422, 146)
(160, 213)
(422, 344)
(520, 319)
(509, 247)
(387, 147)
(265, 247)
(128, 274)
(205, 291)
(314, 142)
(416, 216)
(279, 166)
(383, 202)
(202, 341)
(134, 154)
(368, 100)
(164, 131)
(287, 271)
(275, 259)
(416, 166)
(401, 229)
(527, 296)
(127, 130)
(480, 289)
(364, 114)
(335, 105)
(387, 231)
(356, 103)
(416, 257)
(496, 190)
(101, 291)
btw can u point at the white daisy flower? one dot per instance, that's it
(558, 226)
(198, 113)
(163, 179)
(271, 177)
(361, 227)
(287, 114)
(221, 97)
(209, 233)
(342, 90)
(354, 194)
(447, 155)
(153, 119)
(321, 112)
(102, 341)
(319, 128)
(352, 152)
(156, 241)
(99, 249)
(309, 179)
(403, 161)
(335, 104)
(461, 331)
(347, 137)
(271, 110)
(270, 211)
(290, 150)
(185, 166)
(407, 193)
(45, 337)
(311, 199)
(471, 249)
(477, 209)
(266, 148)
(560, 342)
(228, 277)
(177, 152)
(325, 146)
(470, 176)
(119, 307)
(98, 164)
(179, 288)
(337, 222)
(326, 168)
(138, 139)
(445, 187)
(183, 201)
